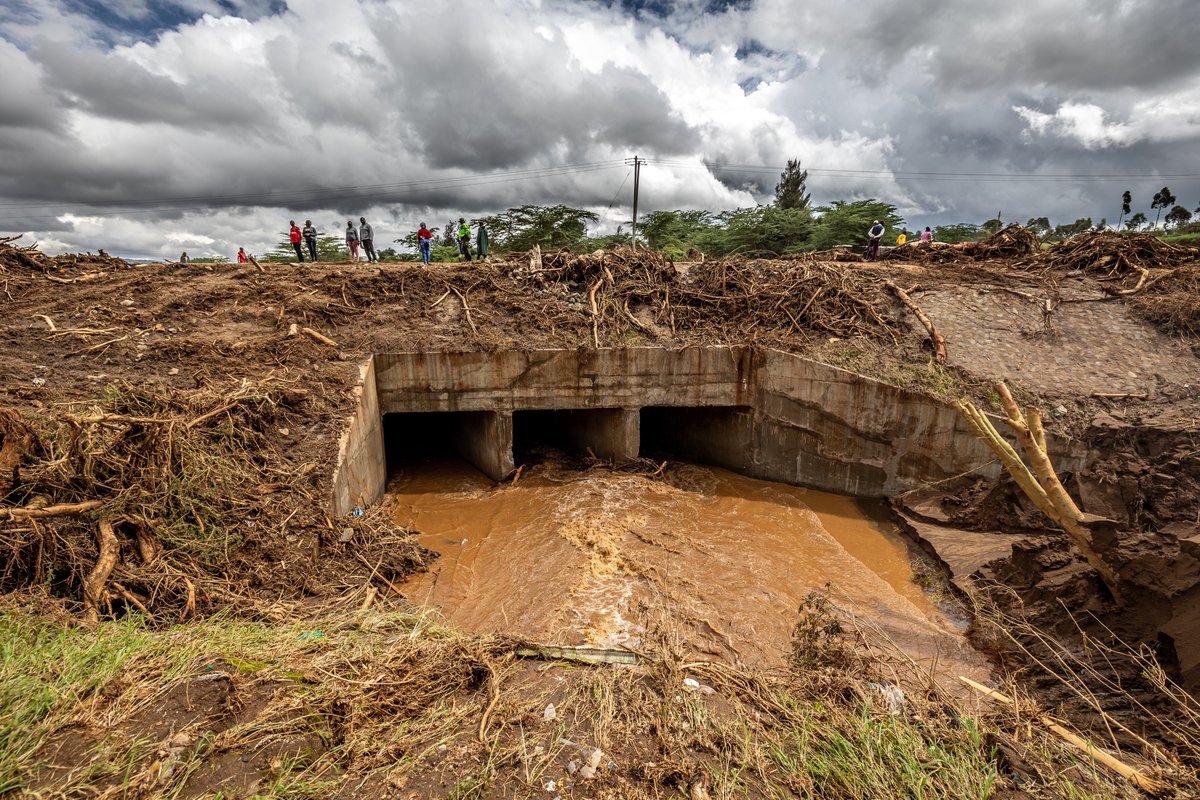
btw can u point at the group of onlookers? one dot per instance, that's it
(462, 236)
(362, 235)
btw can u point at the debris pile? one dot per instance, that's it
(157, 500)
(627, 291)
(29, 258)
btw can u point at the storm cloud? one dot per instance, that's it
(150, 127)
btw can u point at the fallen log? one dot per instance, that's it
(1139, 779)
(939, 341)
(1038, 481)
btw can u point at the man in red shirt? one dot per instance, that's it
(295, 237)
(241, 255)
(425, 240)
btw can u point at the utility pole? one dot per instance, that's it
(637, 172)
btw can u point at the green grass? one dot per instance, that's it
(389, 695)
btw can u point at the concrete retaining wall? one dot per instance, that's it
(361, 471)
(768, 414)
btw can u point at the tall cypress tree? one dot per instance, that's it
(790, 191)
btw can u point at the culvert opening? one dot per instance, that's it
(415, 439)
(571, 431)
(718, 435)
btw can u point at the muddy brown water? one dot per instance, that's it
(718, 561)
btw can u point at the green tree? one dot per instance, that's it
(1126, 199)
(1135, 222)
(1162, 199)
(522, 227)
(676, 232)
(1177, 216)
(768, 229)
(1066, 231)
(959, 232)
(790, 191)
(848, 223)
(1039, 225)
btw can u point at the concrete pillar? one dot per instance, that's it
(485, 439)
(613, 434)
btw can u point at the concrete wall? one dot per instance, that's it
(361, 471)
(484, 438)
(768, 414)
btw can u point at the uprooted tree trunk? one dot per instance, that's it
(148, 547)
(1038, 480)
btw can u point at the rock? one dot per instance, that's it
(346, 535)
(549, 715)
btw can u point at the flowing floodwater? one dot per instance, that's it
(719, 561)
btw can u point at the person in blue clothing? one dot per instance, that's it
(425, 240)
(873, 237)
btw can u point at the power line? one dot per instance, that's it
(881, 173)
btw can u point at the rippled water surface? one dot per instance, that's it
(716, 560)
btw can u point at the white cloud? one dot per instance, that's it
(370, 92)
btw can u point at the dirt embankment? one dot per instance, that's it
(168, 430)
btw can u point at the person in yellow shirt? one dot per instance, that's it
(901, 239)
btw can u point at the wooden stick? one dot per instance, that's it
(595, 312)
(257, 265)
(63, 510)
(49, 321)
(189, 608)
(209, 415)
(939, 341)
(466, 310)
(323, 339)
(1139, 779)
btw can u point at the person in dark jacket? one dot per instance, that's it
(310, 238)
(481, 242)
(873, 237)
(294, 237)
(367, 237)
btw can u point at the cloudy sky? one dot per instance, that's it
(147, 128)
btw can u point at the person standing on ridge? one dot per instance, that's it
(367, 237)
(927, 236)
(481, 242)
(310, 238)
(352, 240)
(873, 237)
(294, 236)
(464, 239)
(425, 240)
(242, 259)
